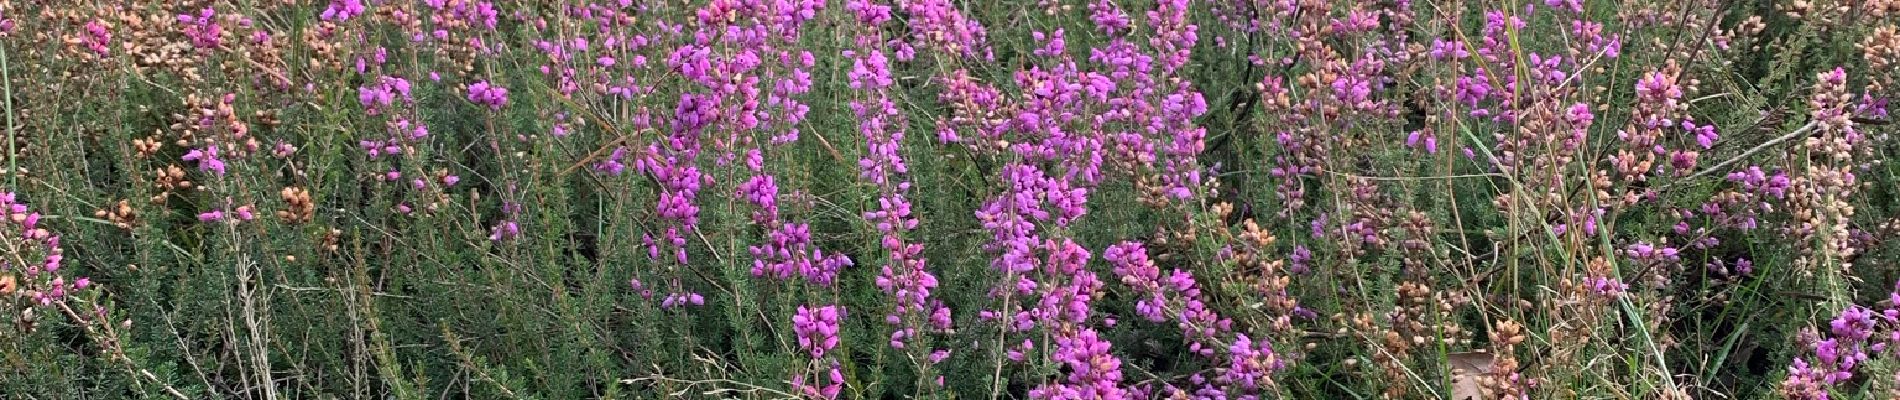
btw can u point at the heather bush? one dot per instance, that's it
(855, 199)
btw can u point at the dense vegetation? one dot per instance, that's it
(1064, 199)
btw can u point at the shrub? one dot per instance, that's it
(1088, 199)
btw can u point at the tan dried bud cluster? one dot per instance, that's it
(1504, 381)
(267, 118)
(1253, 235)
(1881, 8)
(152, 43)
(264, 60)
(1820, 198)
(1601, 184)
(121, 214)
(149, 145)
(297, 206)
(213, 119)
(1752, 26)
(185, 128)
(1150, 191)
(1887, 229)
(1577, 311)
(1253, 255)
(324, 53)
(1881, 49)
(1273, 94)
(331, 239)
(1827, 12)
(168, 180)
(1795, 9)
(1419, 231)
(1421, 318)
(1181, 238)
(1508, 333)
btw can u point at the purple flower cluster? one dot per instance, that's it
(342, 10)
(672, 299)
(203, 29)
(384, 91)
(1147, 114)
(401, 134)
(974, 106)
(1755, 180)
(787, 249)
(1430, 144)
(614, 164)
(682, 299)
(457, 27)
(235, 215)
(399, 152)
(509, 228)
(1606, 285)
(725, 64)
(672, 162)
(487, 94)
(1012, 218)
(1755, 193)
(904, 275)
(39, 279)
(1247, 364)
(761, 37)
(98, 38)
(939, 24)
(463, 13)
(1066, 311)
(793, 80)
(1251, 364)
(1174, 296)
(817, 331)
(1053, 137)
(1645, 252)
(1094, 372)
(207, 159)
(1832, 357)
(1660, 107)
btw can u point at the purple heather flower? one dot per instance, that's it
(342, 10)
(1250, 362)
(1093, 371)
(98, 38)
(484, 93)
(207, 159)
(203, 29)
(817, 332)
(817, 329)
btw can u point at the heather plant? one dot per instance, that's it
(846, 199)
